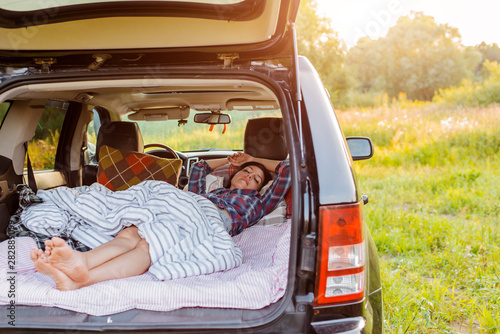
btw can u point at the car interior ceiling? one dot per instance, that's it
(120, 97)
(125, 95)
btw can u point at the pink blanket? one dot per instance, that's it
(259, 281)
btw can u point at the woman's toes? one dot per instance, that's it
(34, 254)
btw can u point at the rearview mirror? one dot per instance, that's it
(212, 118)
(361, 148)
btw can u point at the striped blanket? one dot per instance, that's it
(185, 234)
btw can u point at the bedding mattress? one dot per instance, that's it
(259, 281)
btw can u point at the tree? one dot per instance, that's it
(367, 63)
(417, 57)
(488, 52)
(320, 44)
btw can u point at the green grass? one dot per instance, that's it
(434, 188)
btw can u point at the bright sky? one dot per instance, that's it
(476, 20)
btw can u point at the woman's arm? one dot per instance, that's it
(240, 158)
(278, 189)
(199, 171)
(197, 177)
(214, 163)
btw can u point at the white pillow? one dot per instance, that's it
(277, 216)
(212, 182)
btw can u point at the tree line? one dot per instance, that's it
(416, 59)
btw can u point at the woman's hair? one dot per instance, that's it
(267, 175)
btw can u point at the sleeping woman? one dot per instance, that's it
(239, 206)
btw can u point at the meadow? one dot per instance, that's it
(434, 187)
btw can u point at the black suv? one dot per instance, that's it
(193, 79)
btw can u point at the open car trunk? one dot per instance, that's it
(255, 297)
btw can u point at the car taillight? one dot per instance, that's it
(341, 255)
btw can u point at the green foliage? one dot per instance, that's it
(434, 185)
(4, 107)
(474, 93)
(482, 91)
(489, 52)
(366, 60)
(51, 120)
(417, 57)
(321, 45)
(43, 152)
(43, 146)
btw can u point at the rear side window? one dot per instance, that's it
(92, 132)
(4, 107)
(42, 148)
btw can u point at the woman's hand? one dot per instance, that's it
(239, 158)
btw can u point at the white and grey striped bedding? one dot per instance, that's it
(259, 281)
(184, 230)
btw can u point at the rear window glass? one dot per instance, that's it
(4, 107)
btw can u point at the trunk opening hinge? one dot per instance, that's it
(99, 60)
(45, 64)
(228, 59)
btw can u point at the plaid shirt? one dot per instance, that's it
(245, 206)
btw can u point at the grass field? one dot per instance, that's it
(434, 188)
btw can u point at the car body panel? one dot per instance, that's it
(174, 319)
(256, 25)
(335, 178)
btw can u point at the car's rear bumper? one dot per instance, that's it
(340, 326)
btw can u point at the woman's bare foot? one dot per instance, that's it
(63, 282)
(67, 260)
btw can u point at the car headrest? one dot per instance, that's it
(120, 135)
(265, 138)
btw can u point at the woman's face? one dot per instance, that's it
(250, 177)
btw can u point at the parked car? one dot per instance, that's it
(191, 75)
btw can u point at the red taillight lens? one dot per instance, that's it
(341, 255)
